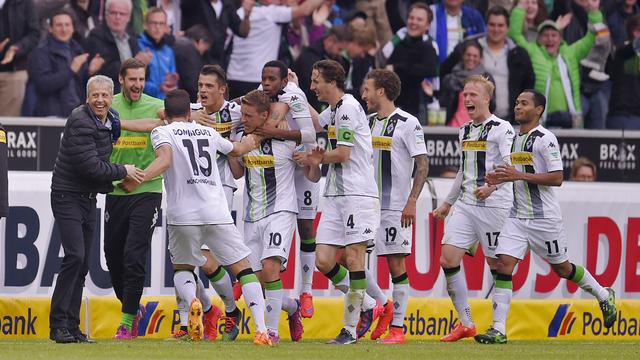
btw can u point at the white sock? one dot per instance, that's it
(252, 292)
(457, 289)
(501, 304)
(308, 265)
(183, 309)
(352, 308)
(221, 283)
(289, 305)
(201, 294)
(585, 280)
(374, 290)
(185, 285)
(400, 302)
(368, 302)
(273, 308)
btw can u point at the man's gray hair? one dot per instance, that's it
(100, 80)
(126, 2)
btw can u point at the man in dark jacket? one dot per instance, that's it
(59, 69)
(112, 42)
(624, 111)
(508, 64)
(190, 53)
(19, 34)
(328, 48)
(411, 55)
(82, 170)
(217, 16)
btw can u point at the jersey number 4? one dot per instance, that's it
(202, 153)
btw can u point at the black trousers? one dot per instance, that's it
(240, 88)
(129, 224)
(75, 214)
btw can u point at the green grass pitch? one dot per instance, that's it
(307, 350)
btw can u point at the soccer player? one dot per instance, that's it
(535, 221)
(485, 142)
(398, 139)
(351, 213)
(301, 130)
(131, 210)
(225, 117)
(270, 212)
(196, 209)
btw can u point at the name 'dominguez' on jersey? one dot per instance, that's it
(348, 125)
(194, 192)
(485, 146)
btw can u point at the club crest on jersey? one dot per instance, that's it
(470, 145)
(522, 158)
(266, 148)
(390, 128)
(484, 133)
(224, 115)
(529, 144)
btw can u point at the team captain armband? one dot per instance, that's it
(345, 135)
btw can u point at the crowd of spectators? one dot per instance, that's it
(584, 55)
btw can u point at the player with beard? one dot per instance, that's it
(535, 221)
(131, 210)
(482, 209)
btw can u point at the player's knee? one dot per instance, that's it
(447, 262)
(271, 268)
(396, 265)
(324, 263)
(563, 270)
(305, 227)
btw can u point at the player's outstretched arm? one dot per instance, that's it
(141, 125)
(442, 211)
(245, 145)
(237, 169)
(340, 154)
(313, 171)
(160, 164)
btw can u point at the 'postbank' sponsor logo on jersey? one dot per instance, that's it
(222, 127)
(469, 145)
(132, 142)
(522, 158)
(256, 161)
(382, 142)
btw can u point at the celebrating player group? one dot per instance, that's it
(503, 195)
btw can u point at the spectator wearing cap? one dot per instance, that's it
(624, 110)
(453, 22)
(507, 63)
(556, 65)
(190, 53)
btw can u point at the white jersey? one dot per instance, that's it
(535, 152)
(348, 125)
(194, 192)
(269, 180)
(484, 146)
(298, 117)
(228, 124)
(396, 140)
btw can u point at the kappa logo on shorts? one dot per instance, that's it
(367, 231)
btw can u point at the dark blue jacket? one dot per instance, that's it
(83, 163)
(59, 90)
(472, 23)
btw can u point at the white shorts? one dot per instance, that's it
(270, 237)
(544, 237)
(348, 220)
(469, 224)
(224, 240)
(392, 238)
(307, 193)
(228, 194)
